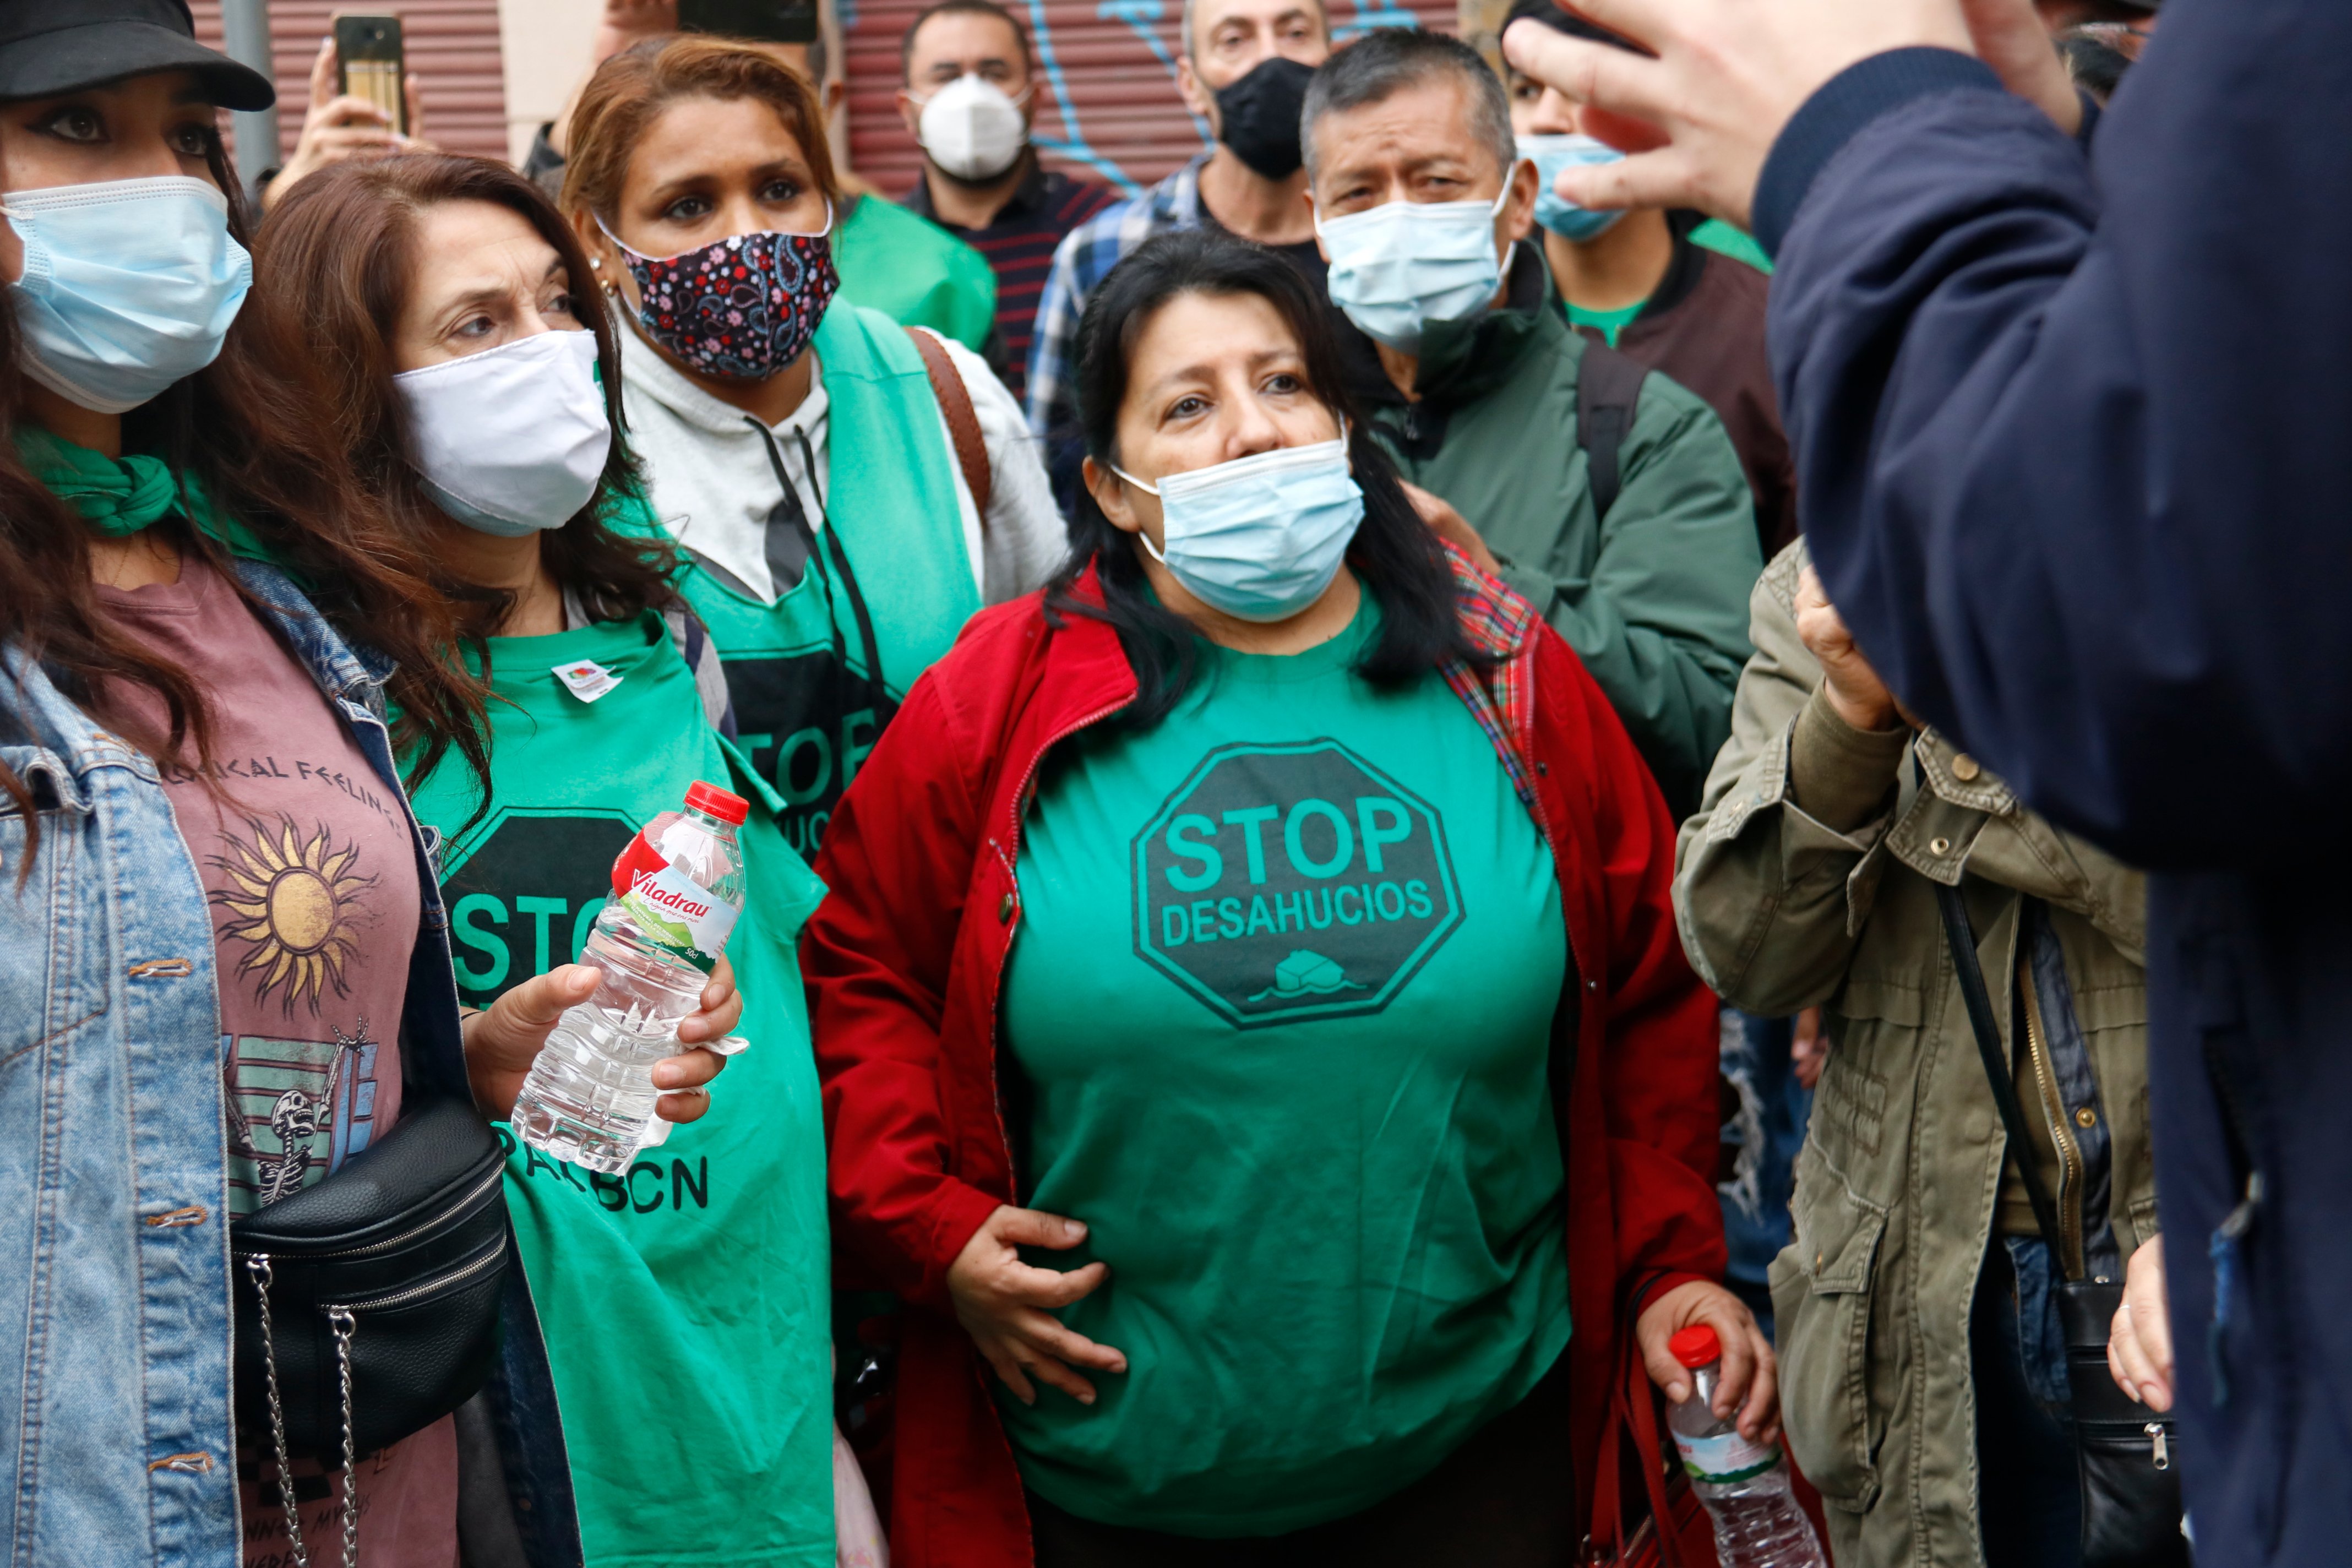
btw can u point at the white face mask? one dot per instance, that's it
(972, 129)
(513, 439)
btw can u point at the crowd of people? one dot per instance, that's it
(1349, 607)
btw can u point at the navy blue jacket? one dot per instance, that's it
(2074, 439)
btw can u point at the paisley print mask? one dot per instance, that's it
(743, 308)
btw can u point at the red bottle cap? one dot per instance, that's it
(1695, 1346)
(717, 801)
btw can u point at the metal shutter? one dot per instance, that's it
(1107, 70)
(452, 43)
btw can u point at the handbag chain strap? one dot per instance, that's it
(258, 1266)
(1963, 942)
(344, 1324)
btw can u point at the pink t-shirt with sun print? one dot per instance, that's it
(308, 866)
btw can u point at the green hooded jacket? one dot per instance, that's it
(1654, 597)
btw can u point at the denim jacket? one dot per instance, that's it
(114, 1307)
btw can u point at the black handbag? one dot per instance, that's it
(367, 1304)
(2131, 1493)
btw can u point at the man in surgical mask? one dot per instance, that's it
(1243, 75)
(1681, 293)
(969, 99)
(1610, 496)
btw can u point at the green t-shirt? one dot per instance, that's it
(914, 272)
(797, 670)
(1718, 235)
(1281, 1001)
(684, 1302)
(1608, 323)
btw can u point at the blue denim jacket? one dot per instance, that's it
(114, 1302)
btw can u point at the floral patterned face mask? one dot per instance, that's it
(743, 308)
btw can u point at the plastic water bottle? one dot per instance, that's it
(677, 890)
(1743, 1484)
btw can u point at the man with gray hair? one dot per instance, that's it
(1606, 494)
(1243, 72)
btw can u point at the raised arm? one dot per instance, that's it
(2088, 412)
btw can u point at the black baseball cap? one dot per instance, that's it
(52, 46)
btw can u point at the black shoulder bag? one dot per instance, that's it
(366, 1305)
(2131, 1493)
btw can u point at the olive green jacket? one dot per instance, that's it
(1653, 597)
(1902, 1167)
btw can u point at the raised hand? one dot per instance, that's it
(1701, 116)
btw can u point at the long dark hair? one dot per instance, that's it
(1394, 555)
(339, 253)
(255, 442)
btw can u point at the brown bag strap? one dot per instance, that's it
(963, 425)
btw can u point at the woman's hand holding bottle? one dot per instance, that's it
(504, 1039)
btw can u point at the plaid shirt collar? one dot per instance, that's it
(1498, 623)
(1176, 200)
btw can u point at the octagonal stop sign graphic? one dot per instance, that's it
(1289, 882)
(523, 891)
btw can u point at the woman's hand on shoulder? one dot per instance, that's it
(504, 1039)
(1749, 1382)
(1007, 1306)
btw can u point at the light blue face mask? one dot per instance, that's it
(1397, 267)
(1550, 154)
(128, 286)
(1261, 537)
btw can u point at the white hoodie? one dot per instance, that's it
(713, 487)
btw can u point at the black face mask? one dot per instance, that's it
(1258, 115)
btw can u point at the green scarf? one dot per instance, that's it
(118, 497)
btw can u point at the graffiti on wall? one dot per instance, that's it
(1106, 72)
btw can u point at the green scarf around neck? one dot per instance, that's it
(118, 497)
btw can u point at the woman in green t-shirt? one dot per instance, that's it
(1249, 1006)
(680, 1305)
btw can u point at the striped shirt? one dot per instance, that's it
(1020, 246)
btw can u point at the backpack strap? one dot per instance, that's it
(963, 424)
(1607, 388)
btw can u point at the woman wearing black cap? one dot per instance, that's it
(223, 964)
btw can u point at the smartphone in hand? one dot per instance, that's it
(372, 63)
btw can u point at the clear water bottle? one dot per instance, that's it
(677, 890)
(1744, 1484)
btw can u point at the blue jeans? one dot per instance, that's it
(2029, 1493)
(1765, 1132)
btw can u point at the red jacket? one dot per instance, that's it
(905, 958)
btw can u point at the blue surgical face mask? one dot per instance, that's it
(1261, 537)
(1398, 267)
(128, 286)
(1550, 154)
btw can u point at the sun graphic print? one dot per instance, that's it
(295, 899)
